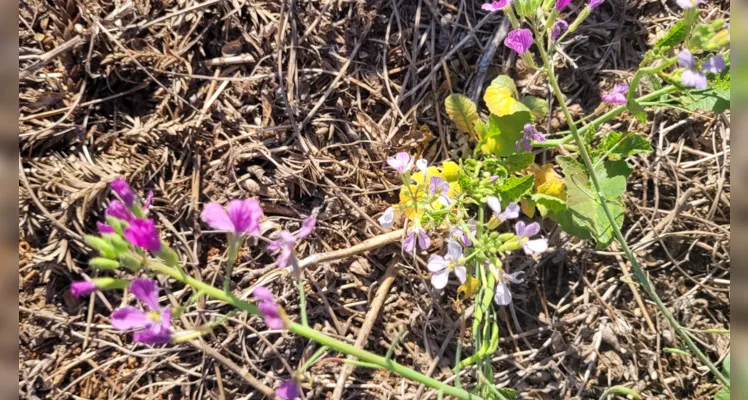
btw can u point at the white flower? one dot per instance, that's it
(388, 218)
(511, 212)
(441, 265)
(502, 295)
(524, 233)
(422, 164)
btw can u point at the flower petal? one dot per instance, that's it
(440, 279)
(422, 164)
(511, 212)
(532, 229)
(409, 243)
(288, 390)
(129, 317)
(105, 228)
(82, 288)
(245, 216)
(146, 290)
(437, 263)
(307, 227)
(387, 218)
(424, 241)
(461, 273)
(262, 293)
(502, 295)
(685, 59)
(454, 250)
(514, 277)
(166, 317)
(118, 210)
(216, 217)
(714, 65)
(535, 246)
(494, 204)
(123, 190)
(157, 335)
(519, 228)
(694, 79)
(519, 40)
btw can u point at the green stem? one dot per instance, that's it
(302, 302)
(643, 71)
(645, 282)
(312, 334)
(379, 361)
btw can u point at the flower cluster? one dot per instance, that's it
(692, 76)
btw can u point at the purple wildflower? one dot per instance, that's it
(148, 200)
(288, 390)
(241, 217)
(440, 266)
(502, 295)
(269, 309)
(519, 40)
(594, 3)
(124, 192)
(496, 5)
(105, 228)
(691, 77)
(511, 212)
(456, 232)
(401, 162)
(118, 210)
(416, 235)
(440, 187)
(387, 218)
(561, 4)
(153, 325)
(617, 95)
(558, 29)
(143, 233)
(81, 288)
(529, 134)
(287, 241)
(524, 232)
(688, 3)
(714, 65)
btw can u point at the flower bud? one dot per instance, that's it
(103, 263)
(129, 261)
(510, 246)
(505, 237)
(168, 255)
(110, 283)
(102, 246)
(582, 15)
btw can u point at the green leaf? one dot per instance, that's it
(726, 366)
(538, 107)
(716, 100)
(504, 132)
(549, 202)
(505, 82)
(612, 177)
(463, 112)
(514, 188)
(723, 394)
(677, 34)
(519, 161)
(509, 393)
(619, 145)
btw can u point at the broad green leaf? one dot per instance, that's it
(538, 107)
(612, 177)
(716, 100)
(514, 188)
(463, 112)
(519, 161)
(619, 145)
(677, 34)
(503, 133)
(549, 202)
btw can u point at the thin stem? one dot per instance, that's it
(643, 71)
(302, 301)
(645, 282)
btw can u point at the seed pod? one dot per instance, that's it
(103, 263)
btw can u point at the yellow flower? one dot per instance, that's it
(450, 171)
(469, 288)
(412, 201)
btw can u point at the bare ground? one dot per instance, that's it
(298, 104)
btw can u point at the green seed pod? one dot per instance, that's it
(102, 246)
(505, 237)
(103, 263)
(494, 235)
(168, 255)
(110, 283)
(130, 261)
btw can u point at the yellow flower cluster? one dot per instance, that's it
(413, 197)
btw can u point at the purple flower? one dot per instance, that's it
(559, 28)
(617, 95)
(524, 232)
(118, 210)
(387, 218)
(691, 77)
(287, 241)
(714, 65)
(594, 3)
(441, 265)
(496, 5)
(416, 235)
(440, 187)
(502, 295)
(456, 232)
(288, 390)
(519, 40)
(124, 192)
(81, 288)
(561, 4)
(240, 217)
(401, 162)
(269, 309)
(688, 3)
(153, 325)
(148, 199)
(143, 233)
(511, 212)
(104, 228)
(529, 134)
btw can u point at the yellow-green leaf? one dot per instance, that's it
(463, 112)
(538, 107)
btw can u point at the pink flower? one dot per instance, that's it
(594, 3)
(288, 390)
(81, 288)
(287, 241)
(105, 228)
(714, 65)
(617, 95)
(558, 29)
(561, 4)
(152, 326)
(456, 232)
(269, 309)
(118, 210)
(519, 40)
(691, 77)
(524, 232)
(124, 192)
(529, 134)
(240, 217)
(416, 235)
(496, 5)
(401, 162)
(143, 233)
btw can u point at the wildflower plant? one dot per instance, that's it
(489, 208)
